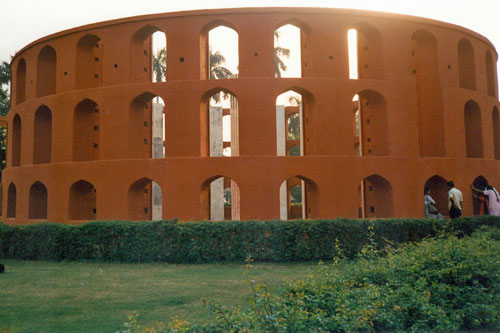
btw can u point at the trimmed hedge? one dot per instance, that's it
(205, 242)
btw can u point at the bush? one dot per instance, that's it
(437, 285)
(206, 242)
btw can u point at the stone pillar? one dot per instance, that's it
(156, 213)
(281, 135)
(157, 119)
(281, 130)
(157, 132)
(283, 202)
(235, 151)
(217, 186)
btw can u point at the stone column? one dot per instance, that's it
(281, 135)
(235, 151)
(217, 186)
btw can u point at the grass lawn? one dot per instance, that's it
(83, 296)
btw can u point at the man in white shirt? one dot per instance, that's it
(455, 201)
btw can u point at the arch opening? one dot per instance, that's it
(38, 202)
(86, 131)
(490, 75)
(425, 68)
(11, 201)
(290, 124)
(219, 124)
(89, 59)
(365, 51)
(46, 72)
(16, 141)
(298, 198)
(473, 132)
(371, 137)
(480, 204)
(148, 55)
(21, 81)
(144, 200)
(222, 53)
(42, 138)
(288, 51)
(159, 49)
(496, 132)
(82, 201)
(220, 199)
(466, 65)
(146, 129)
(376, 200)
(438, 190)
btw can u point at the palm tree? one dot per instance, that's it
(279, 52)
(160, 65)
(217, 71)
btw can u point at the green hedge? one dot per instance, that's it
(197, 242)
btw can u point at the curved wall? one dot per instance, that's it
(427, 94)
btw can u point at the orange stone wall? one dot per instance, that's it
(78, 144)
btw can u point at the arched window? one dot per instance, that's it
(21, 81)
(146, 127)
(376, 199)
(496, 132)
(288, 51)
(16, 141)
(425, 68)
(46, 72)
(365, 52)
(220, 199)
(290, 124)
(490, 75)
(82, 201)
(38, 201)
(222, 53)
(438, 190)
(298, 198)
(466, 65)
(144, 200)
(11, 201)
(147, 45)
(479, 201)
(42, 139)
(219, 129)
(473, 132)
(89, 57)
(370, 118)
(86, 123)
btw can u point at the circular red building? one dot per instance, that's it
(85, 141)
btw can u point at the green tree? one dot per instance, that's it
(160, 65)
(4, 84)
(4, 107)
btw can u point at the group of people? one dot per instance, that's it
(489, 198)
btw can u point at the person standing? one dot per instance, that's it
(493, 199)
(455, 200)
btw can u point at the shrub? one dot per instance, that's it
(206, 242)
(437, 285)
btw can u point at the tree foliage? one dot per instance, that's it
(279, 52)
(160, 65)
(4, 107)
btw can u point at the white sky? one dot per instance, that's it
(23, 21)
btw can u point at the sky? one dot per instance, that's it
(24, 21)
